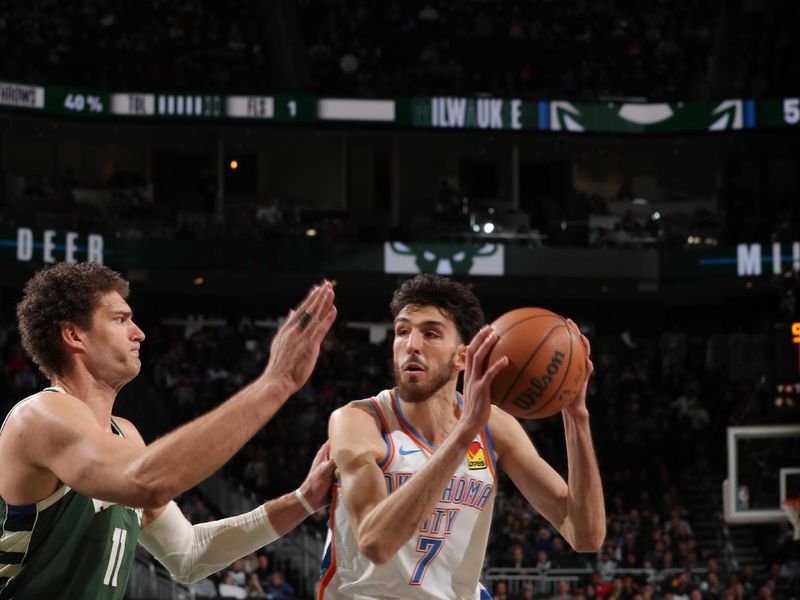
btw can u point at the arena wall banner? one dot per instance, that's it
(745, 260)
(444, 259)
(27, 245)
(468, 113)
(47, 246)
(615, 117)
(440, 112)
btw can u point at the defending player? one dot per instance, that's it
(411, 515)
(74, 479)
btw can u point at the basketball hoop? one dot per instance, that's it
(791, 506)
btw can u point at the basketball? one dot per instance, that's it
(546, 363)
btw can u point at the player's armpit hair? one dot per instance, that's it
(192, 552)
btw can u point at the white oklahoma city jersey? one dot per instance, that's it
(444, 558)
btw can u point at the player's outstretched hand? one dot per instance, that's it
(579, 403)
(317, 486)
(478, 377)
(295, 347)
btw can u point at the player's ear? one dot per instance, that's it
(460, 362)
(71, 335)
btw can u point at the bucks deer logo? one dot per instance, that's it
(444, 259)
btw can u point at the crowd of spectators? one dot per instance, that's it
(586, 50)
(545, 49)
(653, 393)
(764, 60)
(252, 576)
(146, 46)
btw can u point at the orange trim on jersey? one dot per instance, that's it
(489, 454)
(388, 434)
(326, 578)
(405, 426)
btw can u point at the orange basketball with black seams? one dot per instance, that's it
(546, 363)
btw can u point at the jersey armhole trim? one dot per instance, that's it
(326, 577)
(385, 431)
(487, 443)
(387, 438)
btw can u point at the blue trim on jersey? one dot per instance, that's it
(326, 561)
(405, 421)
(19, 517)
(492, 454)
(485, 595)
(16, 511)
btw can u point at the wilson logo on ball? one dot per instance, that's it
(538, 385)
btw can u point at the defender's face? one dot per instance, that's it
(428, 352)
(112, 344)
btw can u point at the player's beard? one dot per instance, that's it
(420, 391)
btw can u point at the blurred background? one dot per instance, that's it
(632, 165)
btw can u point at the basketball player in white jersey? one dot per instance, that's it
(417, 465)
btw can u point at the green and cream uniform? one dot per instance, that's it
(67, 545)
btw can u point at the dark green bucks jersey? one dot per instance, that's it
(67, 546)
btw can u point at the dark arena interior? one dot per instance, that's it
(634, 166)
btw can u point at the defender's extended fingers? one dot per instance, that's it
(320, 327)
(306, 303)
(323, 296)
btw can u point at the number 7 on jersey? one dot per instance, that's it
(429, 547)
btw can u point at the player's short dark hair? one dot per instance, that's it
(63, 293)
(451, 297)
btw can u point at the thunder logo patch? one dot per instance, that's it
(476, 457)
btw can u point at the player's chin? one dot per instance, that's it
(414, 376)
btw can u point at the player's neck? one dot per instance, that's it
(435, 417)
(97, 395)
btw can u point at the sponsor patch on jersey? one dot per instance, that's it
(476, 457)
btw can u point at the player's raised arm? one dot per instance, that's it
(356, 448)
(576, 507)
(62, 436)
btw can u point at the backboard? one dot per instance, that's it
(763, 470)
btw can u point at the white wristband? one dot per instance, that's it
(304, 502)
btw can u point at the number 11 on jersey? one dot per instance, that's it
(115, 559)
(429, 547)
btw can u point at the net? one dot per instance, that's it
(791, 506)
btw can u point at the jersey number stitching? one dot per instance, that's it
(430, 547)
(115, 559)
